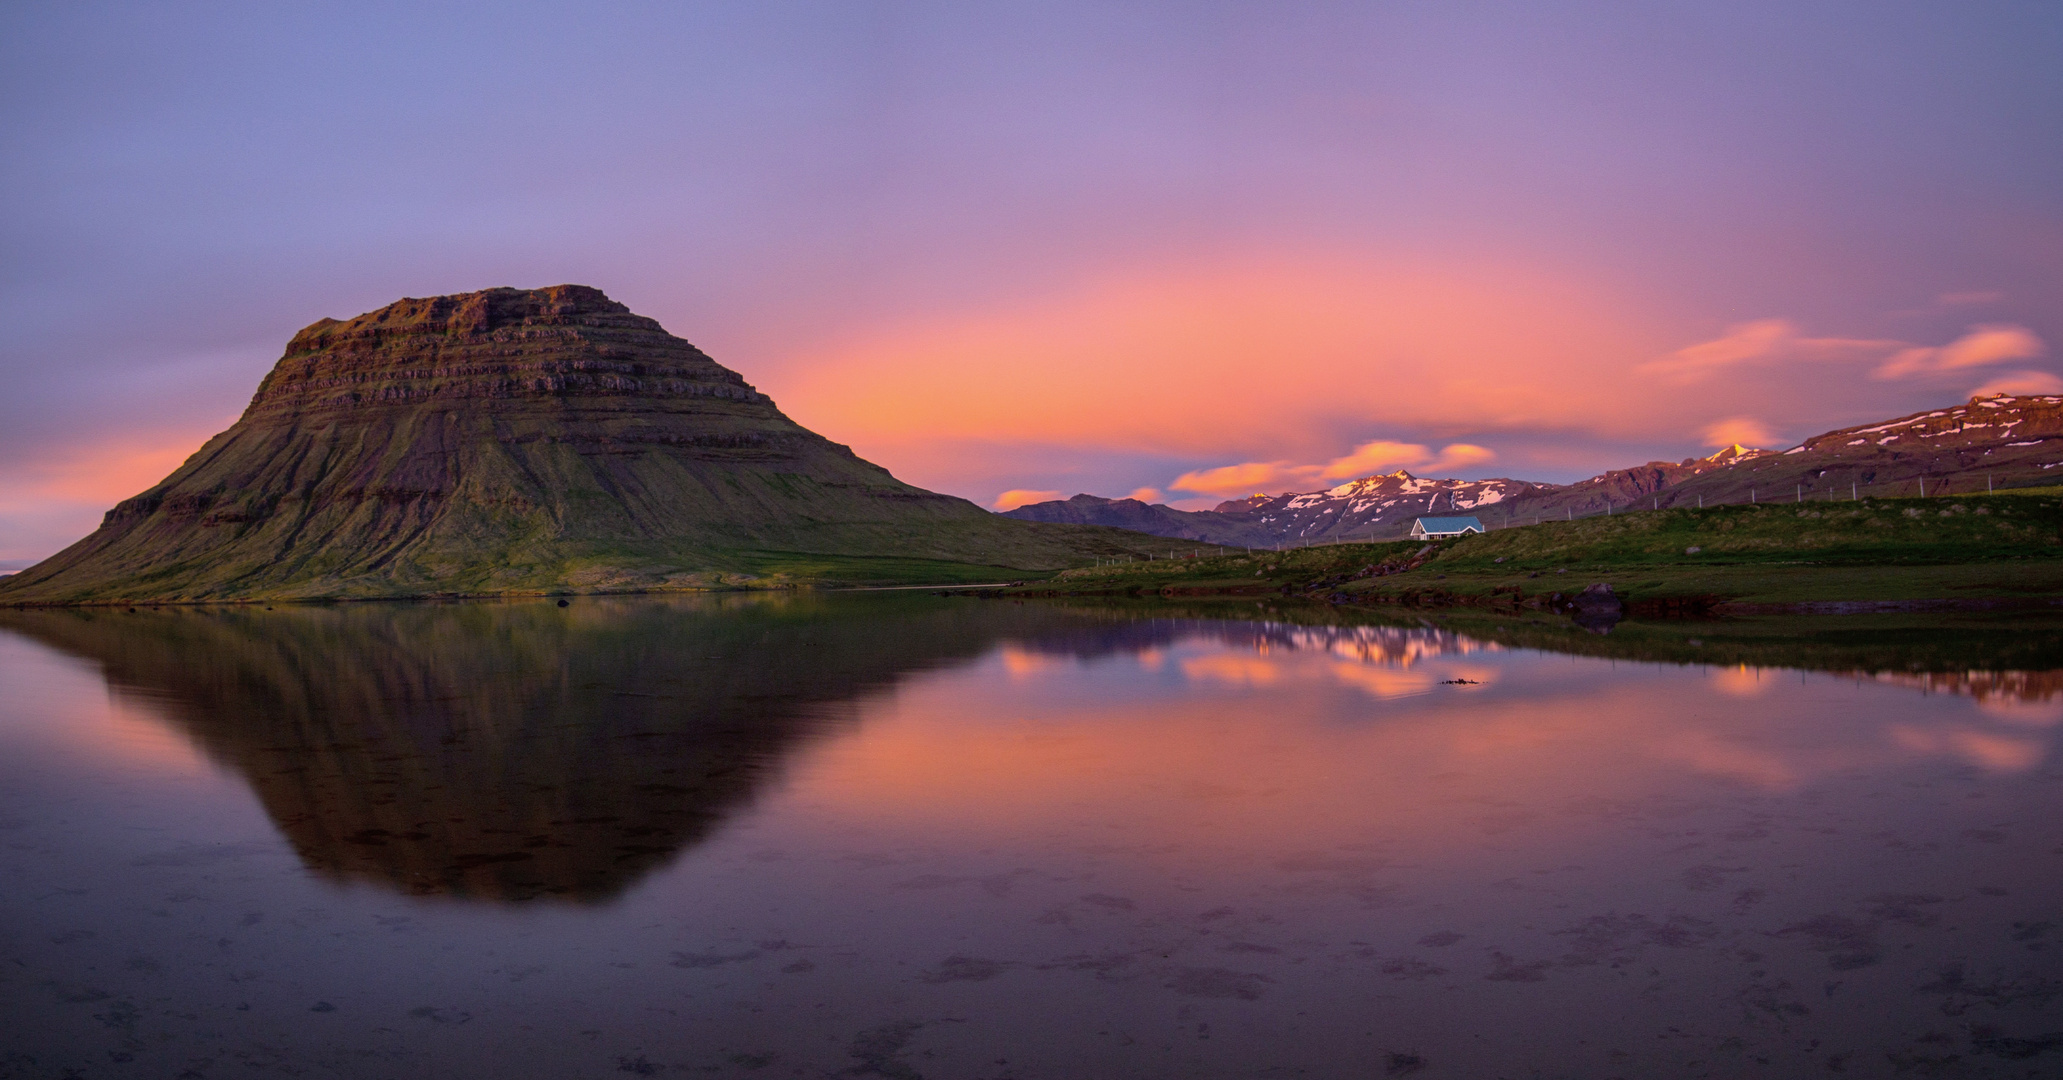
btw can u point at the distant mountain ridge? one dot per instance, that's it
(1371, 507)
(2013, 440)
(1155, 518)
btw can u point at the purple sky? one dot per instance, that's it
(1053, 247)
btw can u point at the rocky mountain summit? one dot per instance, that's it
(1371, 507)
(518, 440)
(2004, 441)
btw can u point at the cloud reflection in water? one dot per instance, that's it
(519, 751)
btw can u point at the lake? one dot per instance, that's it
(912, 836)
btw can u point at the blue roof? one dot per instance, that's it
(1449, 524)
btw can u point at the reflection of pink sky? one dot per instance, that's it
(2037, 712)
(1301, 742)
(1258, 735)
(1378, 676)
(1742, 681)
(2025, 694)
(68, 707)
(1022, 664)
(1989, 750)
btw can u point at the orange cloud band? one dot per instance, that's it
(1279, 353)
(1368, 459)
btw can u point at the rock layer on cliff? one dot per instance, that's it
(518, 441)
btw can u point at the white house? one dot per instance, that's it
(1439, 528)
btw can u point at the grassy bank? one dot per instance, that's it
(1000, 550)
(1977, 549)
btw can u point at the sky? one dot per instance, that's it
(1188, 251)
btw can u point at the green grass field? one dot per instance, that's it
(2002, 547)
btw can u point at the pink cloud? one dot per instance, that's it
(1747, 341)
(1016, 497)
(1367, 459)
(1461, 456)
(2021, 382)
(1779, 341)
(1262, 361)
(1989, 343)
(1373, 457)
(1763, 341)
(1145, 495)
(1742, 431)
(1243, 351)
(1246, 478)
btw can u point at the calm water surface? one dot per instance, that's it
(919, 837)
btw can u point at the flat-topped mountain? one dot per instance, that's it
(519, 441)
(2004, 441)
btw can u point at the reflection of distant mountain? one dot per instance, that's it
(2014, 686)
(513, 751)
(516, 751)
(1386, 644)
(2017, 655)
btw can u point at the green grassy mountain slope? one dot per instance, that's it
(512, 441)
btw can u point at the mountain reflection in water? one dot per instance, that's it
(898, 835)
(508, 751)
(522, 751)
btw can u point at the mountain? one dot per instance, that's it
(1373, 507)
(2000, 441)
(513, 441)
(2004, 441)
(1155, 518)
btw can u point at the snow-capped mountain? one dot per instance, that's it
(1998, 442)
(1373, 506)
